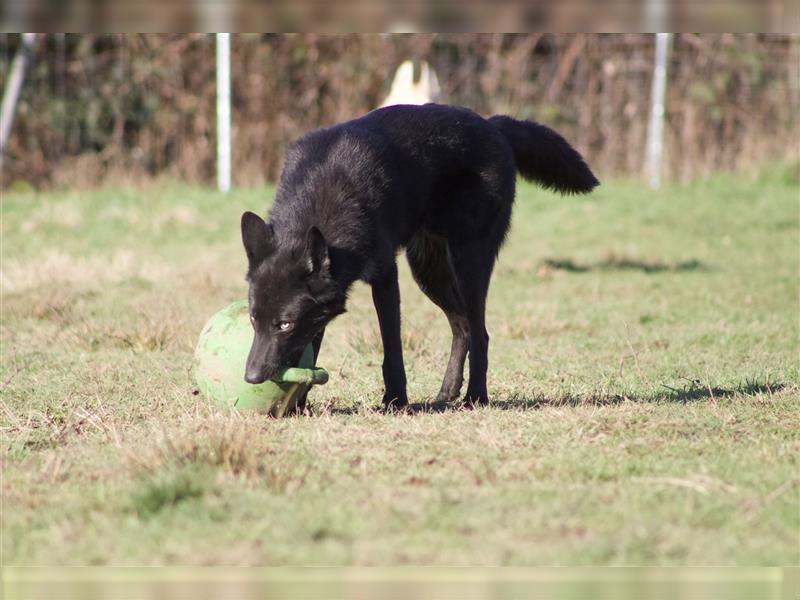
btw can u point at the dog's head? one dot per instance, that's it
(292, 295)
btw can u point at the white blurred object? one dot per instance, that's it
(13, 86)
(224, 111)
(407, 91)
(655, 128)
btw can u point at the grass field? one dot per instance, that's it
(643, 369)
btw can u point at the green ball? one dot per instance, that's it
(219, 364)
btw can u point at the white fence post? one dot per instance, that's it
(655, 128)
(224, 111)
(13, 87)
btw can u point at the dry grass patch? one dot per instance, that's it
(644, 407)
(55, 267)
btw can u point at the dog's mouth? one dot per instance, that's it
(266, 375)
(269, 370)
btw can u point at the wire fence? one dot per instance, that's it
(124, 107)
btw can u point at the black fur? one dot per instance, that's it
(436, 180)
(545, 157)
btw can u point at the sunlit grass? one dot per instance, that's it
(643, 370)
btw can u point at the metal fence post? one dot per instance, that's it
(13, 87)
(655, 128)
(224, 111)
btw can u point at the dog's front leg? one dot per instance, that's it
(386, 296)
(316, 343)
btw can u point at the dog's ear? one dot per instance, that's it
(256, 236)
(317, 259)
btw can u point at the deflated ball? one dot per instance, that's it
(219, 364)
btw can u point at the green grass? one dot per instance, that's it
(643, 369)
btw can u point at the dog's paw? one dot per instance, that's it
(397, 410)
(445, 397)
(395, 403)
(473, 401)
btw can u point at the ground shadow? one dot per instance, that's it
(697, 390)
(623, 264)
(693, 391)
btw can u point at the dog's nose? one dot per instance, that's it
(254, 376)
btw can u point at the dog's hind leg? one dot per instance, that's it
(429, 259)
(473, 264)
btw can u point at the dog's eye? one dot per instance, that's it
(285, 325)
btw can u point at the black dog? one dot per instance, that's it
(435, 180)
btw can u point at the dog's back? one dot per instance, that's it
(442, 168)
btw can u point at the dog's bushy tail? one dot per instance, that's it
(545, 157)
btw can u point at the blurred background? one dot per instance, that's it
(129, 107)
